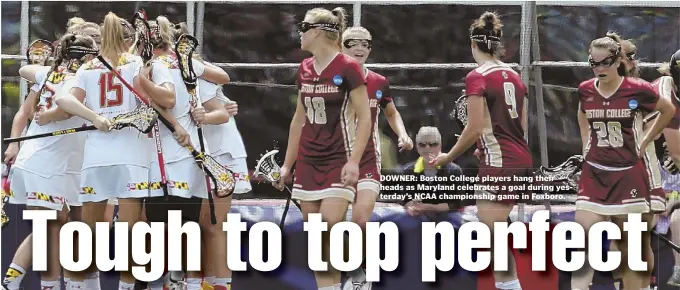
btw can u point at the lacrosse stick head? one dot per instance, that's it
(143, 30)
(667, 161)
(222, 177)
(568, 172)
(268, 168)
(184, 48)
(142, 118)
(39, 52)
(461, 109)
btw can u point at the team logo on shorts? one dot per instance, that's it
(337, 80)
(633, 104)
(633, 193)
(88, 190)
(369, 175)
(179, 185)
(378, 94)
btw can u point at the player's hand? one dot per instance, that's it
(281, 183)
(643, 147)
(198, 114)
(350, 173)
(478, 154)
(182, 136)
(102, 123)
(405, 143)
(441, 159)
(232, 108)
(40, 118)
(146, 72)
(11, 153)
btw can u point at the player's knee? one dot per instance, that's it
(361, 218)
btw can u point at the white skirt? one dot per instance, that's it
(117, 181)
(34, 190)
(240, 169)
(185, 179)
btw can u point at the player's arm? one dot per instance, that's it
(397, 124)
(54, 114)
(294, 134)
(584, 127)
(18, 124)
(163, 93)
(28, 72)
(216, 112)
(359, 102)
(666, 110)
(525, 117)
(471, 132)
(211, 73)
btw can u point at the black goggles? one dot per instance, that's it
(349, 43)
(607, 62)
(306, 26)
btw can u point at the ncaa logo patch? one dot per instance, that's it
(378, 94)
(337, 80)
(633, 104)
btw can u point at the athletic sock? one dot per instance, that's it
(210, 280)
(125, 286)
(193, 283)
(509, 285)
(92, 281)
(13, 277)
(50, 285)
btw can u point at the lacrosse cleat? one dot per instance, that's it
(675, 278)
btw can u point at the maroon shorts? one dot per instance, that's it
(369, 174)
(610, 192)
(318, 181)
(514, 179)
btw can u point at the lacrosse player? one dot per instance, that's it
(357, 43)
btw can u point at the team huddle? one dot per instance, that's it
(103, 72)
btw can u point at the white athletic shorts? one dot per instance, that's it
(117, 181)
(185, 179)
(34, 190)
(240, 169)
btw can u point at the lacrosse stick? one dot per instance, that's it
(184, 50)
(39, 52)
(460, 111)
(220, 175)
(141, 118)
(271, 171)
(143, 33)
(5, 196)
(143, 30)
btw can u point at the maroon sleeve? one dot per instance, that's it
(354, 75)
(474, 84)
(386, 94)
(648, 97)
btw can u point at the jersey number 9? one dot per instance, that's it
(510, 99)
(106, 86)
(316, 110)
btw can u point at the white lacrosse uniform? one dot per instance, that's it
(47, 170)
(225, 142)
(116, 163)
(185, 179)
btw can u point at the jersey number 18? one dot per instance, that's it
(106, 86)
(316, 110)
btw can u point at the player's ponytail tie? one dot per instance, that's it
(335, 13)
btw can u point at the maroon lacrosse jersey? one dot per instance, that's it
(502, 141)
(379, 96)
(661, 87)
(616, 122)
(328, 133)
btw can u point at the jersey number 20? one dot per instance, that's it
(107, 86)
(509, 89)
(316, 110)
